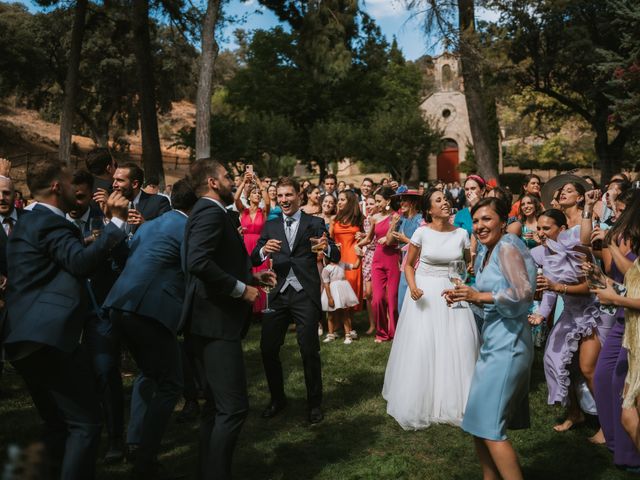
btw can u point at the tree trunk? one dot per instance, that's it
(205, 80)
(71, 82)
(609, 154)
(479, 121)
(151, 153)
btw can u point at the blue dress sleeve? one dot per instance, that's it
(514, 294)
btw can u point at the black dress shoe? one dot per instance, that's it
(273, 409)
(115, 454)
(132, 452)
(190, 412)
(315, 415)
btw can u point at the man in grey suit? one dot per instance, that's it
(146, 303)
(46, 310)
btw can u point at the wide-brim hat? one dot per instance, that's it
(404, 191)
(549, 188)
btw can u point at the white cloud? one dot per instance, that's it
(384, 8)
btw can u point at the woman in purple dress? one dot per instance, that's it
(577, 328)
(612, 365)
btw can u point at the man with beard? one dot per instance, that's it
(98, 336)
(46, 310)
(217, 311)
(146, 303)
(8, 216)
(128, 180)
(289, 240)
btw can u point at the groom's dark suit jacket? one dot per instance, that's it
(300, 257)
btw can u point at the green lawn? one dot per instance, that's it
(357, 440)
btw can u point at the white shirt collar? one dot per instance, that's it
(55, 210)
(217, 202)
(296, 216)
(180, 211)
(136, 200)
(13, 215)
(84, 217)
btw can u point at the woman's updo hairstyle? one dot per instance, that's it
(496, 204)
(426, 203)
(559, 218)
(580, 189)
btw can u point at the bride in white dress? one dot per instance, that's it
(435, 348)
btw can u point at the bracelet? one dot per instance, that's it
(564, 288)
(587, 214)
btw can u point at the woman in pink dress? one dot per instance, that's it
(385, 268)
(252, 220)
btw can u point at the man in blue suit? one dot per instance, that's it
(102, 344)
(146, 303)
(46, 309)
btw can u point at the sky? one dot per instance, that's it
(391, 16)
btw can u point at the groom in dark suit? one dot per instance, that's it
(287, 240)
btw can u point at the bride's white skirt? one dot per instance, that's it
(432, 359)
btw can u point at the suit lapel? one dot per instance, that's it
(281, 235)
(142, 203)
(304, 223)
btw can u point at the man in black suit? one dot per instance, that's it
(102, 166)
(296, 296)
(46, 310)
(99, 338)
(217, 311)
(147, 304)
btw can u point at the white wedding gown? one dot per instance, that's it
(435, 347)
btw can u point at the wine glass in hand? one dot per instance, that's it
(457, 276)
(267, 286)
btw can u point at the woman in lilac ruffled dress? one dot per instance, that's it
(580, 328)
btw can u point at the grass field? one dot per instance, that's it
(357, 440)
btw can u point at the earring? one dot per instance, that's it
(387, 207)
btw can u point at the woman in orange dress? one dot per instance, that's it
(347, 223)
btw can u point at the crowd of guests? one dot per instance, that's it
(464, 280)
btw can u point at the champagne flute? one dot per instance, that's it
(266, 286)
(97, 225)
(316, 246)
(457, 276)
(595, 277)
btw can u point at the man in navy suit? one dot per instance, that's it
(217, 311)
(146, 303)
(46, 310)
(102, 344)
(296, 296)
(9, 215)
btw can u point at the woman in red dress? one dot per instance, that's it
(252, 220)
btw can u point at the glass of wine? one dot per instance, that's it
(457, 276)
(97, 225)
(595, 276)
(316, 246)
(266, 286)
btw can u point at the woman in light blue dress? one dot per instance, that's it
(503, 293)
